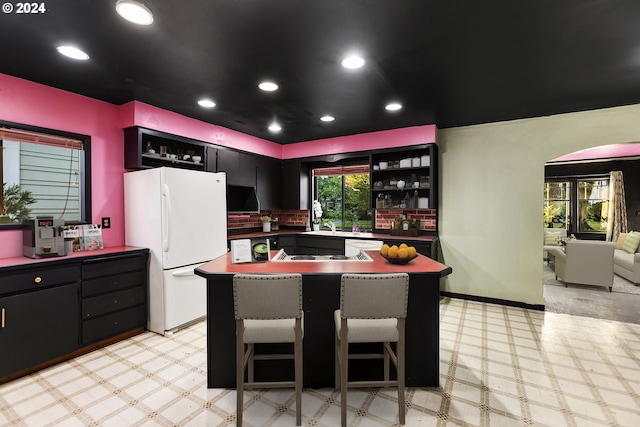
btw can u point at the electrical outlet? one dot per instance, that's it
(106, 222)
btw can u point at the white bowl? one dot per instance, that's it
(384, 165)
(196, 159)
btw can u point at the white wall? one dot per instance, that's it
(491, 195)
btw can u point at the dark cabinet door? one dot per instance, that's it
(37, 327)
(269, 179)
(239, 167)
(295, 185)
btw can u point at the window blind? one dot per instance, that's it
(341, 170)
(39, 138)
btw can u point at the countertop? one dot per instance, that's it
(419, 265)
(22, 260)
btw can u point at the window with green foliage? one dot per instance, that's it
(557, 204)
(344, 195)
(593, 205)
(578, 204)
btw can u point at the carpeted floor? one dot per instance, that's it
(623, 304)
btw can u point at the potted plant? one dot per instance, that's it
(14, 203)
(317, 215)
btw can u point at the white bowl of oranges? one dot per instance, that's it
(401, 254)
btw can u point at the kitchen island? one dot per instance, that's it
(321, 296)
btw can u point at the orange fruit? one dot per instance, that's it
(403, 253)
(393, 251)
(403, 245)
(412, 251)
(384, 250)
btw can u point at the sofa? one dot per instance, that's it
(626, 258)
(586, 262)
(552, 238)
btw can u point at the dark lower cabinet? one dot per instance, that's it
(37, 327)
(316, 245)
(113, 296)
(60, 308)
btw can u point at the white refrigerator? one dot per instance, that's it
(181, 216)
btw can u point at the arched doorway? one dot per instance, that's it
(567, 172)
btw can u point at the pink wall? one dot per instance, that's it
(602, 152)
(362, 142)
(140, 114)
(29, 103)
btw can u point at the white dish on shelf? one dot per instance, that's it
(196, 159)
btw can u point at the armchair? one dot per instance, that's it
(587, 262)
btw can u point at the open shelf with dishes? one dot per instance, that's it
(146, 148)
(404, 178)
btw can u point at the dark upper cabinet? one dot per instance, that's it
(147, 148)
(240, 167)
(295, 185)
(211, 159)
(269, 181)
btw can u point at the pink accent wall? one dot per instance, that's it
(140, 114)
(415, 135)
(602, 152)
(29, 103)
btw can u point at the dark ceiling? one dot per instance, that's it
(449, 62)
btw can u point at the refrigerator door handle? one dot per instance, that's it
(186, 272)
(167, 217)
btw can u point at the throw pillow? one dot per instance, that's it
(620, 240)
(552, 238)
(631, 243)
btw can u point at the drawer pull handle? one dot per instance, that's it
(38, 279)
(2, 327)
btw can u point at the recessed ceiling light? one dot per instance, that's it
(394, 106)
(73, 52)
(268, 86)
(274, 127)
(134, 11)
(207, 103)
(353, 62)
(327, 118)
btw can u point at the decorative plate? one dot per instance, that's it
(399, 260)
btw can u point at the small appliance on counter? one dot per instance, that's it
(43, 237)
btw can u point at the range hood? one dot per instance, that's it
(242, 199)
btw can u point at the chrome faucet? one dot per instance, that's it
(331, 225)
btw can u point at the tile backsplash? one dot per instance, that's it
(286, 217)
(427, 217)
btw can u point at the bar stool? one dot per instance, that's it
(373, 309)
(268, 309)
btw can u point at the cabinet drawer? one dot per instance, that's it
(37, 278)
(100, 267)
(113, 283)
(112, 324)
(114, 301)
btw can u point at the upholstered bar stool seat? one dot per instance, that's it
(268, 309)
(373, 309)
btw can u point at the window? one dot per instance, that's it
(578, 204)
(557, 204)
(593, 205)
(44, 173)
(344, 195)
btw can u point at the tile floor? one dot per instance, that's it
(500, 366)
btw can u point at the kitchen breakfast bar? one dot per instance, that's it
(321, 296)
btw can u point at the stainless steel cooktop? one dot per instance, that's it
(283, 256)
